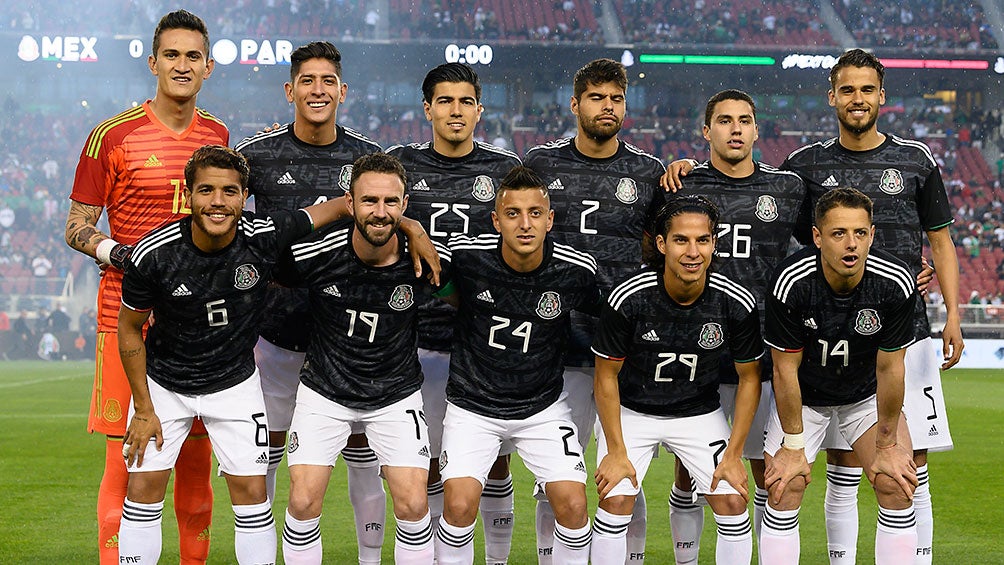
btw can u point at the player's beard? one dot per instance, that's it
(857, 129)
(600, 133)
(378, 239)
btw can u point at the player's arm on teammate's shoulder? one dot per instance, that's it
(947, 265)
(144, 424)
(789, 461)
(82, 234)
(421, 249)
(731, 467)
(672, 179)
(615, 466)
(891, 457)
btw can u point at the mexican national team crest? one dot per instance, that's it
(867, 322)
(891, 181)
(549, 306)
(345, 177)
(245, 277)
(294, 442)
(402, 298)
(766, 208)
(483, 189)
(627, 191)
(711, 336)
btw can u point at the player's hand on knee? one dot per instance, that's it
(611, 471)
(785, 466)
(896, 462)
(671, 180)
(142, 428)
(732, 471)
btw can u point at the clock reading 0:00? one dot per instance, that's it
(472, 54)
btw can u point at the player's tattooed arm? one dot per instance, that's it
(81, 228)
(144, 425)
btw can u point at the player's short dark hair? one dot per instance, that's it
(180, 19)
(315, 50)
(377, 163)
(216, 156)
(730, 94)
(521, 178)
(671, 209)
(450, 72)
(857, 58)
(843, 198)
(600, 71)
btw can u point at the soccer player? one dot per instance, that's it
(604, 191)
(839, 319)
(453, 181)
(515, 292)
(295, 165)
(662, 338)
(203, 278)
(133, 166)
(362, 364)
(758, 209)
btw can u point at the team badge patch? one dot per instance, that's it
(891, 181)
(113, 410)
(345, 177)
(294, 442)
(711, 336)
(483, 189)
(245, 277)
(867, 322)
(766, 208)
(442, 461)
(402, 298)
(627, 191)
(549, 306)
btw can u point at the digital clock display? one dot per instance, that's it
(471, 55)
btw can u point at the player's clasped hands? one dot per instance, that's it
(896, 462)
(143, 427)
(786, 465)
(611, 471)
(732, 471)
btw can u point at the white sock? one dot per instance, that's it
(925, 518)
(497, 518)
(735, 540)
(895, 537)
(254, 533)
(686, 520)
(140, 536)
(779, 539)
(636, 530)
(841, 508)
(454, 546)
(369, 501)
(301, 541)
(435, 494)
(545, 532)
(274, 459)
(609, 537)
(759, 504)
(413, 542)
(571, 547)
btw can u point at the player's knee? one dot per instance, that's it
(411, 508)
(570, 510)
(731, 505)
(619, 505)
(889, 492)
(303, 504)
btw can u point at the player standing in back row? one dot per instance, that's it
(603, 193)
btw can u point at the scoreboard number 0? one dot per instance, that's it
(471, 54)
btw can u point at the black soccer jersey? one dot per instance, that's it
(206, 306)
(672, 353)
(757, 217)
(900, 176)
(363, 348)
(512, 327)
(450, 196)
(601, 207)
(839, 336)
(286, 174)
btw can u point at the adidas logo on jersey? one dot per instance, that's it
(286, 178)
(650, 335)
(424, 452)
(181, 291)
(555, 185)
(486, 296)
(580, 467)
(933, 431)
(421, 185)
(811, 323)
(262, 459)
(831, 182)
(153, 161)
(332, 290)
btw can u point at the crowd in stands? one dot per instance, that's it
(558, 21)
(917, 24)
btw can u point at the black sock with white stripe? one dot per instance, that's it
(735, 539)
(896, 536)
(301, 540)
(572, 545)
(254, 533)
(139, 532)
(413, 541)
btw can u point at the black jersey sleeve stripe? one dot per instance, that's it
(917, 144)
(605, 356)
(892, 271)
(154, 241)
(792, 274)
(631, 286)
(309, 249)
(135, 309)
(251, 140)
(572, 255)
(779, 348)
(497, 149)
(733, 289)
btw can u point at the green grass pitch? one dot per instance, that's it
(50, 469)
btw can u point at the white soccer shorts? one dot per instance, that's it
(852, 421)
(753, 449)
(578, 384)
(924, 399)
(436, 372)
(280, 376)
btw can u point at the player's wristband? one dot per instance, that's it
(794, 441)
(104, 250)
